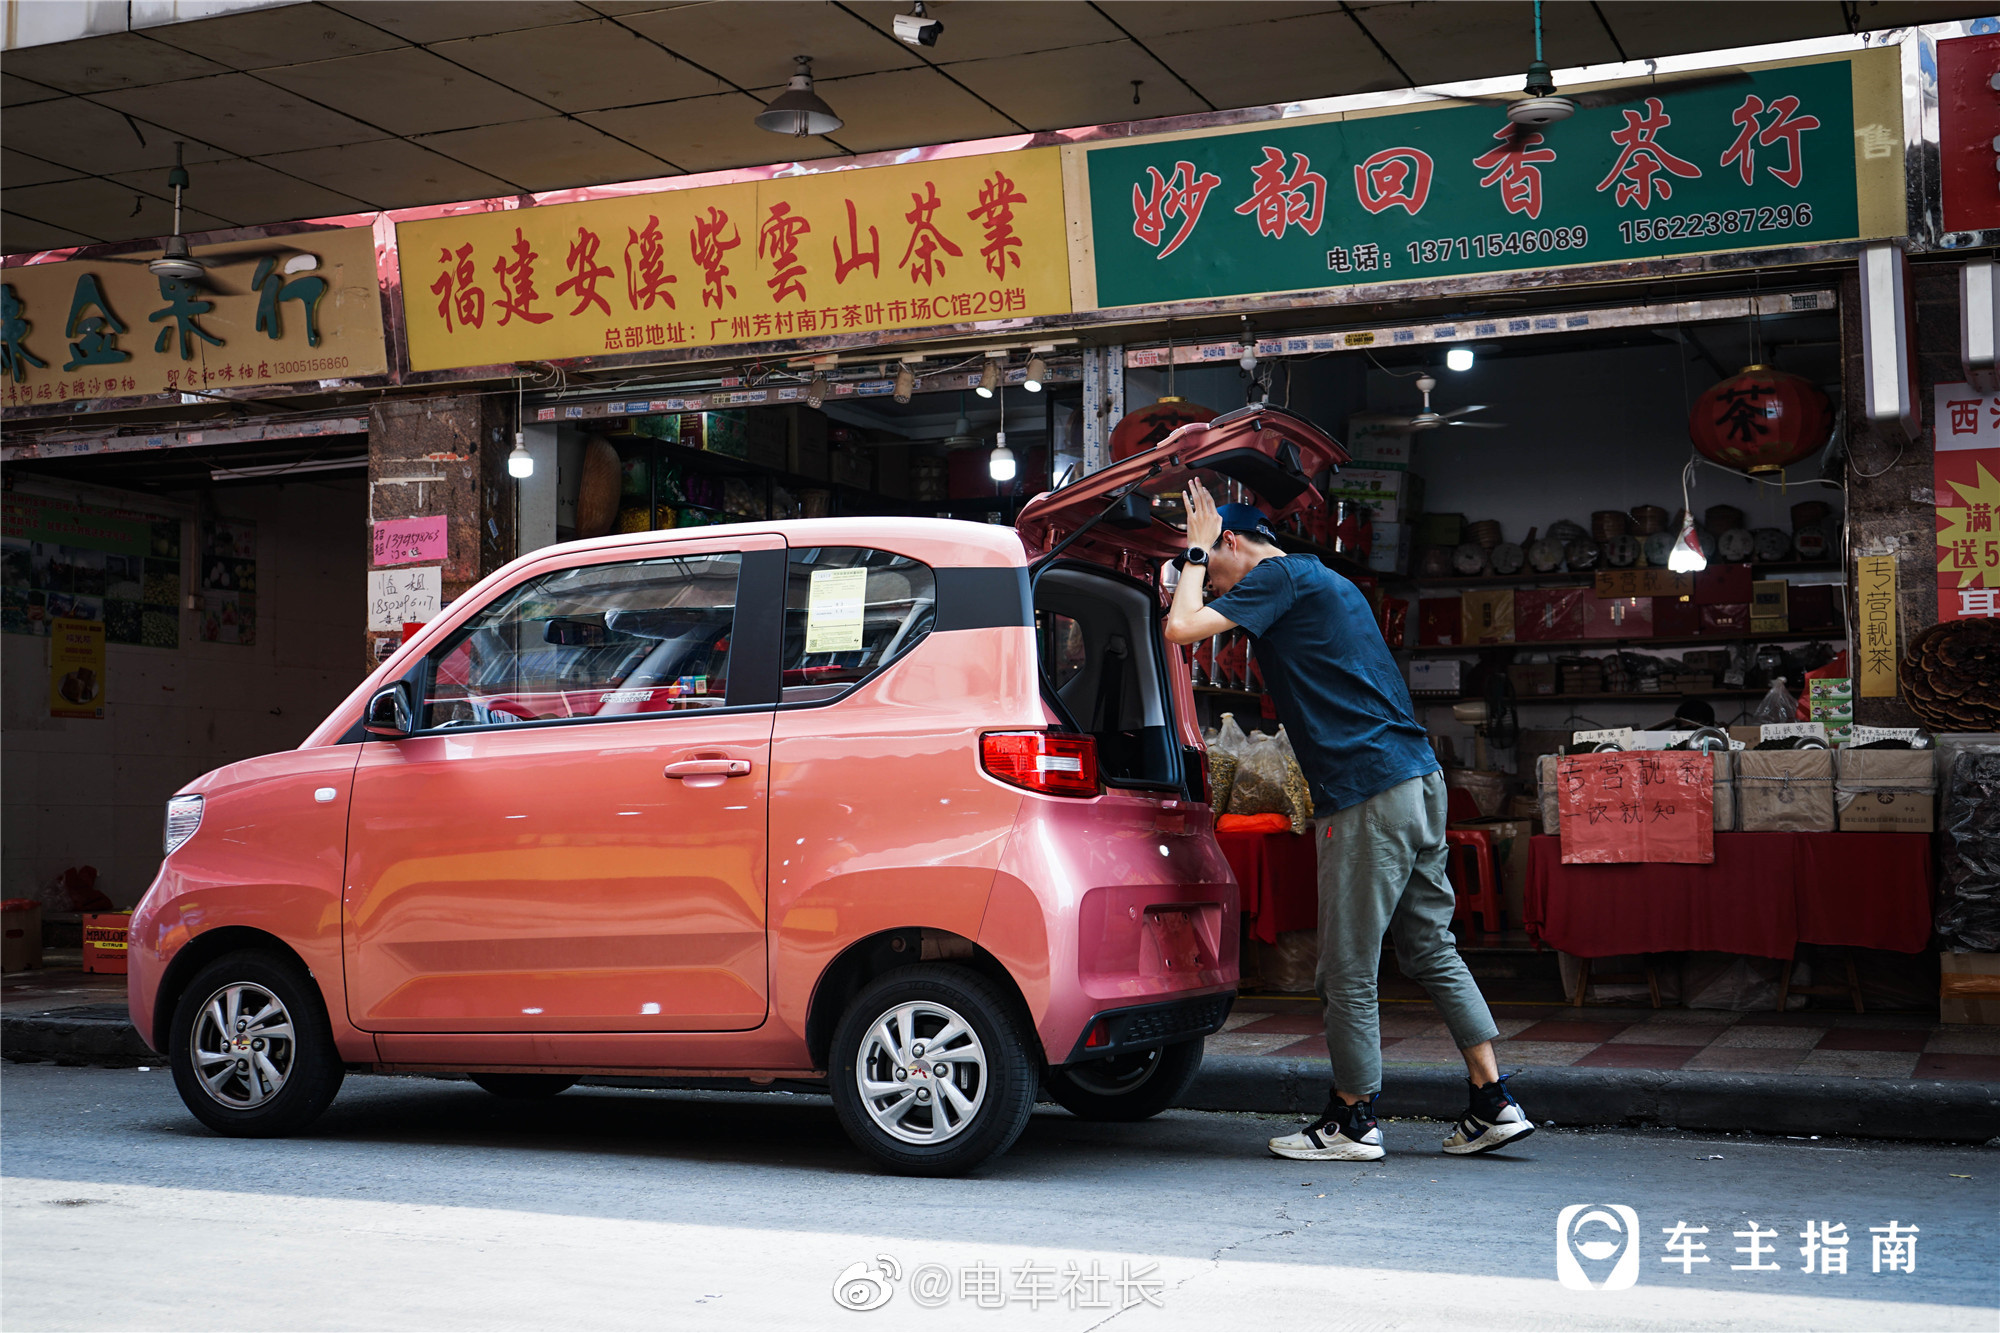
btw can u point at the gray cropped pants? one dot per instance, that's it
(1382, 871)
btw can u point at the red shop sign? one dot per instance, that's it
(1642, 805)
(1968, 124)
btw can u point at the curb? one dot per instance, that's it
(1854, 1107)
(91, 1034)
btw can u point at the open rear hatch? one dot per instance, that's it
(1272, 453)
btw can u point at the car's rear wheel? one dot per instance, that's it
(524, 1087)
(1132, 1086)
(932, 1073)
(251, 1050)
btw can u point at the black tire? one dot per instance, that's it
(311, 1066)
(1126, 1087)
(524, 1087)
(999, 1081)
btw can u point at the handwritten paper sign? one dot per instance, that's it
(1778, 731)
(399, 597)
(409, 541)
(1620, 736)
(1869, 735)
(1645, 806)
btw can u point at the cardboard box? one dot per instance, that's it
(1435, 675)
(1489, 615)
(1510, 861)
(1618, 618)
(1550, 615)
(1784, 791)
(1726, 618)
(20, 934)
(1531, 678)
(1390, 553)
(1440, 622)
(1440, 529)
(1886, 791)
(1393, 494)
(1370, 444)
(104, 941)
(1725, 804)
(1748, 735)
(853, 465)
(1676, 617)
(1721, 584)
(1769, 609)
(1969, 988)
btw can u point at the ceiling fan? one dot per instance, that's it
(176, 260)
(1429, 420)
(1542, 106)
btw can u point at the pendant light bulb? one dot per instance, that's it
(1000, 463)
(1687, 557)
(1458, 358)
(520, 463)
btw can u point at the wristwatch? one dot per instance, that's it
(1196, 555)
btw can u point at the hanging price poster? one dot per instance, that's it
(1648, 805)
(951, 241)
(1781, 155)
(1966, 468)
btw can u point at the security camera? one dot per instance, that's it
(918, 28)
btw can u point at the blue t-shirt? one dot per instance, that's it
(1339, 694)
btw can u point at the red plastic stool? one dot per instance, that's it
(1469, 861)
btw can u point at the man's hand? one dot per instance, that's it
(1204, 525)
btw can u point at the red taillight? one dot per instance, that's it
(1052, 763)
(1100, 1035)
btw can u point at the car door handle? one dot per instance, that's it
(701, 768)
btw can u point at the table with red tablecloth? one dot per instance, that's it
(1278, 874)
(1764, 894)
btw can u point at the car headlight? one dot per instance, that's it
(183, 818)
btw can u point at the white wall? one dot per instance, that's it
(93, 793)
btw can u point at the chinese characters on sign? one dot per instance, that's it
(1647, 805)
(84, 330)
(1875, 592)
(951, 241)
(1967, 471)
(1439, 192)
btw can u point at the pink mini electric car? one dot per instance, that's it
(912, 808)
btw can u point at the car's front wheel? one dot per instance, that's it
(932, 1073)
(1132, 1086)
(251, 1050)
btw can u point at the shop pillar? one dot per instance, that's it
(443, 458)
(1894, 513)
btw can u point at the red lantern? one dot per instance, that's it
(1140, 430)
(1760, 420)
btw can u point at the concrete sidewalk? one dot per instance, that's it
(1812, 1071)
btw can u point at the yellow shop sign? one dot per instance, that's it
(954, 241)
(282, 311)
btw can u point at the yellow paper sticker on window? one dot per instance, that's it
(833, 610)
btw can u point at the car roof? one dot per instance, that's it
(935, 541)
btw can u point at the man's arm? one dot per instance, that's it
(1188, 620)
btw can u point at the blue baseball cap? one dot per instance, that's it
(1248, 520)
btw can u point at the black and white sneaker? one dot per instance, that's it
(1342, 1134)
(1493, 1120)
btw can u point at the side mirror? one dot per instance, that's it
(389, 714)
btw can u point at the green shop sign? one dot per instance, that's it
(1782, 156)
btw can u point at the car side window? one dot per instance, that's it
(599, 641)
(850, 611)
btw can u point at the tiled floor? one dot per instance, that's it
(1817, 1041)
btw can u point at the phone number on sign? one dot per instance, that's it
(1498, 243)
(1768, 218)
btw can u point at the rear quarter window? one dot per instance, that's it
(849, 612)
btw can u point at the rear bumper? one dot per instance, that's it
(1144, 1026)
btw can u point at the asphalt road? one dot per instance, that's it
(420, 1203)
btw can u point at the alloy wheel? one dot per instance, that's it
(243, 1045)
(922, 1073)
